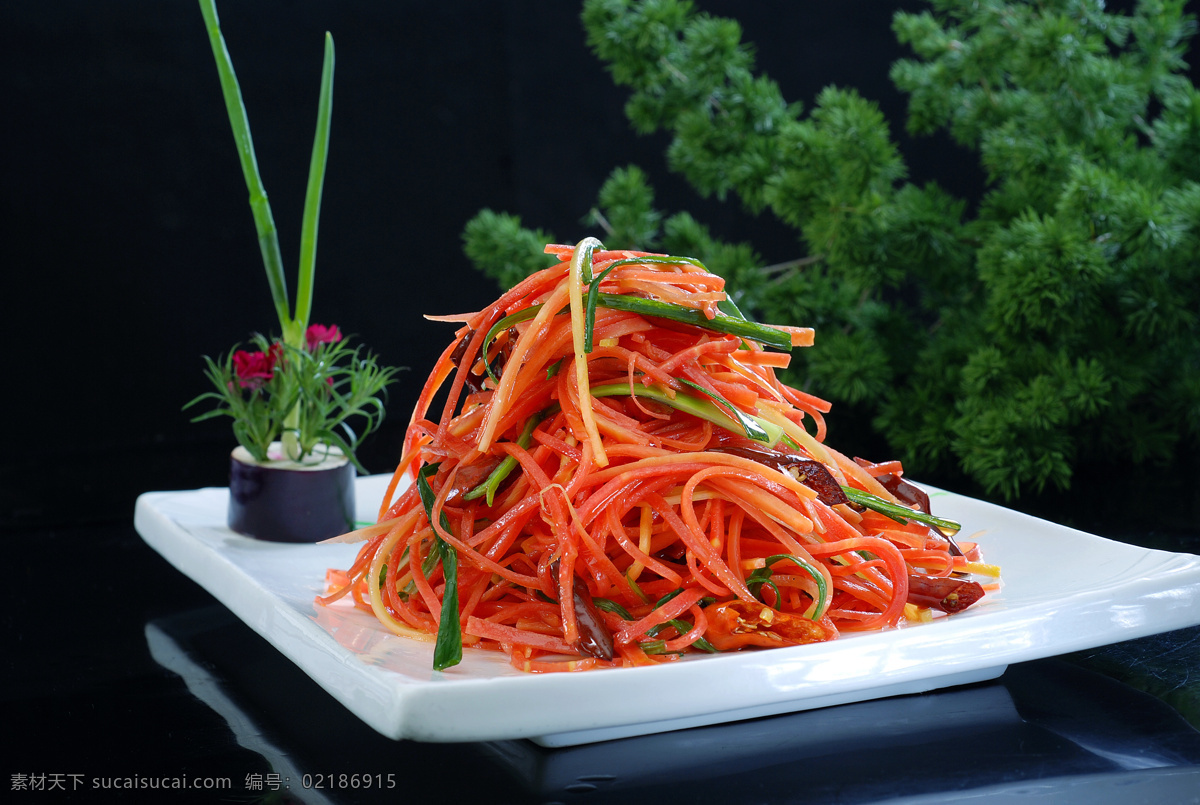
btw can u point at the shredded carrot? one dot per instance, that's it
(630, 528)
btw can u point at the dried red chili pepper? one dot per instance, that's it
(809, 472)
(948, 594)
(595, 639)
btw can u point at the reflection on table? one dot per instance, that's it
(1049, 728)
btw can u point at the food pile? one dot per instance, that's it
(617, 477)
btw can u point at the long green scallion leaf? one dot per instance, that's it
(292, 323)
(260, 207)
(681, 626)
(312, 200)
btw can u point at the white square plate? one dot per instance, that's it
(1063, 590)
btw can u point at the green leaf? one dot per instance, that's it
(593, 296)
(667, 597)
(681, 626)
(730, 323)
(756, 580)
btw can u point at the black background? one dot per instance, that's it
(129, 250)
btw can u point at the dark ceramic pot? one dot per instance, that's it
(284, 501)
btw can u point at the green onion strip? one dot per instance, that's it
(502, 471)
(589, 310)
(504, 323)
(750, 425)
(721, 323)
(593, 295)
(681, 626)
(901, 514)
(753, 427)
(762, 576)
(447, 651)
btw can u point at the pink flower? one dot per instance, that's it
(321, 334)
(252, 369)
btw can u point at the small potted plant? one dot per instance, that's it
(302, 402)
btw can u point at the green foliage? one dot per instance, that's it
(629, 204)
(501, 248)
(1056, 326)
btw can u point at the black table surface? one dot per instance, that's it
(125, 674)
